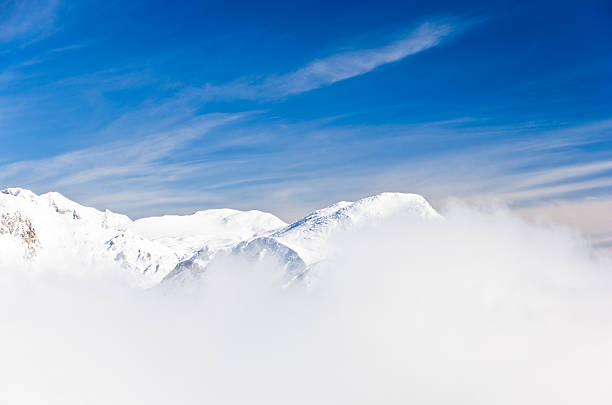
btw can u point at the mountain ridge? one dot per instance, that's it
(53, 231)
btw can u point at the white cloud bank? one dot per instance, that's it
(481, 308)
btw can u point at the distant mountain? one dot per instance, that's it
(302, 244)
(49, 231)
(215, 228)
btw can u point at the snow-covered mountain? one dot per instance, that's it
(49, 231)
(55, 232)
(214, 228)
(302, 244)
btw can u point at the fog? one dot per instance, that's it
(479, 308)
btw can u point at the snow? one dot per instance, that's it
(214, 228)
(70, 236)
(50, 231)
(303, 243)
(309, 234)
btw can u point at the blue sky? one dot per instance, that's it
(148, 107)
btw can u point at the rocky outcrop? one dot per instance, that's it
(21, 228)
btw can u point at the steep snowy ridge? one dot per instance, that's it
(70, 236)
(49, 231)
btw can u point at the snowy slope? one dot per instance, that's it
(309, 235)
(212, 229)
(302, 244)
(57, 233)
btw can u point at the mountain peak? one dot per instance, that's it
(388, 203)
(347, 213)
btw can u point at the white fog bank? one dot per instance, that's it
(478, 308)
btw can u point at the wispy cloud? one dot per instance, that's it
(67, 48)
(120, 167)
(125, 77)
(341, 66)
(183, 161)
(26, 19)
